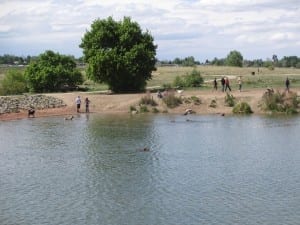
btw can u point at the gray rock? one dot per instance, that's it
(10, 104)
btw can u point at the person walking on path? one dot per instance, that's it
(87, 105)
(240, 83)
(227, 84)
(78, 103)
(215, 84)
(287, 85)
(223, 84)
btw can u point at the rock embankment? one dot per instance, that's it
(10, 104)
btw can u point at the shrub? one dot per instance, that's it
(196, 100)
(194, 79)
(13, 83)
(155, 110)
(179, 82)
(242, 107)
(229, 100)
(213, 103)
(280, 102)
(187, 100)
(148, 100)
(144, 109)
(193, 99)
(172, 101)
(132, 108)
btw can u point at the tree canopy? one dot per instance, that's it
(51, 71)
(119, 54)
(234, 58)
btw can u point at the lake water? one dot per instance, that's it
(199, 170)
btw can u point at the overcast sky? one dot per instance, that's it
(201, 28)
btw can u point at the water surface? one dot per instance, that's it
(199, 170)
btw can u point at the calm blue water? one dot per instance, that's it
(207, 170)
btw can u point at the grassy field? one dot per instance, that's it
(263, 77)
(4, 69)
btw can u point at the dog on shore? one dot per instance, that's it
(69, 117)
(31, 112)
(188, 111)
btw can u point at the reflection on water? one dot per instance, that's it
(199, 170)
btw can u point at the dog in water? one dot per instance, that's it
(31, 112)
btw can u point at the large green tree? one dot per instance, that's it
(51, 71)
(119, 54)
(234, 58)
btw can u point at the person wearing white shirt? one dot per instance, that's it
(78, 103)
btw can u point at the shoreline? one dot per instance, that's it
(121, 103)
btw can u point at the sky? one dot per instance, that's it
(205, 29)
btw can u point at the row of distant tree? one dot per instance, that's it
(8, 59)
(286, 61)
(234, 58)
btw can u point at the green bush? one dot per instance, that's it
(179, 82)
(132, 108)
(285, 102)
(144, 109)
(229, 100)
(242, 107)
(193, 99)
(148, 100)
(194, 79)
(213, 103)
(172, 101)
(196, 100)
(13, 83)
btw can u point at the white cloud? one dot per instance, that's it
(202, 28)
(288, 36)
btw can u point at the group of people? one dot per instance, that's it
(226, 84)
(86, 102)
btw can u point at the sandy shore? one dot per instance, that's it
(120, 103)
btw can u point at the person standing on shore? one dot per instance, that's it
(223, 84)
(227, 84)
(87, 105)
(78, 103)
(287, 85)
(215, 84)
(240, 83)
